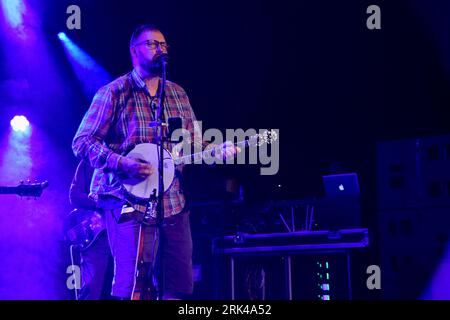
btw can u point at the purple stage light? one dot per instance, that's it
(20, 123)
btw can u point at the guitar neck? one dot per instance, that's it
(199, 156)
(25, 190)
(8, 190)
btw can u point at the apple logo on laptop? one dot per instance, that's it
(341, 187)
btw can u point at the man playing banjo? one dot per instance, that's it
(117, 121)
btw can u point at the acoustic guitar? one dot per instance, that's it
(83, 227)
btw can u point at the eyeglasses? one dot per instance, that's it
(153, 44)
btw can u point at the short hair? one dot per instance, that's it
(140, 29)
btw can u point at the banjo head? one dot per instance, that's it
(143, 188)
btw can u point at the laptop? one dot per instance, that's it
(345, 184)
(340, 207)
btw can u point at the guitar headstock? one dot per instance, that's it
(266, 137)
(29, 189)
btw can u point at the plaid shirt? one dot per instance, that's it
(117, 120)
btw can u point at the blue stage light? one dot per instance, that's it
(62, 36)
(91, 75)
(13, 11)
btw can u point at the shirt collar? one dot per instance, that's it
(137, 79)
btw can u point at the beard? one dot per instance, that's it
(153, 66)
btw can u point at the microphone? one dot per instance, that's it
(159, 63)
(161, 58)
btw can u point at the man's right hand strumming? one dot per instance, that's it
(135, 168)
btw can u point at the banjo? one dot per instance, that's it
(142, 189)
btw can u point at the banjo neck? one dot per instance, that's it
(206, 154)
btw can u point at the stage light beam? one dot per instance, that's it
(91, 75)
(13, 10)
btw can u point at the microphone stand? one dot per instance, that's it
(160, 204)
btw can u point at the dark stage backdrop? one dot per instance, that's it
(311, 69)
